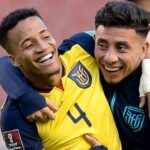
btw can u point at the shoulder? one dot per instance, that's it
(83, 39)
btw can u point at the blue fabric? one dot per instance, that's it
(19, 89)
(12, 119)
(132, 122)
(31, 102)
(12, 79)
(99, 148)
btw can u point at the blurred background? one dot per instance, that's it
(63, 17)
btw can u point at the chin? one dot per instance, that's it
(112, 81)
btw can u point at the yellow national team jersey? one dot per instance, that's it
(83, 108)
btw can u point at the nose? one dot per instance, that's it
(111, 57)
(42, 46)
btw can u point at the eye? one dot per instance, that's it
(46, 37)
(122, 48)
(28, 46)
(102, 46)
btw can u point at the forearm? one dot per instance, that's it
(18, 88)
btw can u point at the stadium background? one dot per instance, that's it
(63, 17)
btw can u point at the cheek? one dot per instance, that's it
(26, 57)
(136, 57)
(98, 57)
(98, 54)
(131, 62)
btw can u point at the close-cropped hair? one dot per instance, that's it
(123, 15)
(11, 20)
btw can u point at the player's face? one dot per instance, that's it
(118, 52)
(34, 48)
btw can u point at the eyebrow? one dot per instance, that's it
(122, 43)
(102, 40)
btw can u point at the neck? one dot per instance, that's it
(45, 81)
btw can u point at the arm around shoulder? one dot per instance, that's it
(18, 88)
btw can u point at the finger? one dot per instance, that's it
(142, 101)
(30, 119)
(43, 114)
(52, 106)
(48, 113)
(37, 116)
(92, 141)
(40, 116)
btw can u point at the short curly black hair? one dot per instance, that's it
(125, 15)
(11, 20)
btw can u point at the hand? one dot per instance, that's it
(96, 145)
(44, 114)
(144, 88)
(143, 101)
(93, 141)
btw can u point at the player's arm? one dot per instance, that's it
(84, 39)
(96, 145)
(31, 103)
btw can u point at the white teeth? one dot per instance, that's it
(111, 69)
(45, 58)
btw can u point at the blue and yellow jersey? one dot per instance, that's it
(83, 108)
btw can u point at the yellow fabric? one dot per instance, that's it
(62, 133)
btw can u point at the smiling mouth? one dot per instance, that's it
(46, 58)
(112, 69)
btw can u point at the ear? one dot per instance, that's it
(13, 61)
(145, 50)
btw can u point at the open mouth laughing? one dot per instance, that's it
(112, 69)
(46, 59)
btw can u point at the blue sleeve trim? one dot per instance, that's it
(85, 40)
(113, 100)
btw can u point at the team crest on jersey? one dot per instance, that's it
(13, 140)
(134, 117)
(80, 75)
